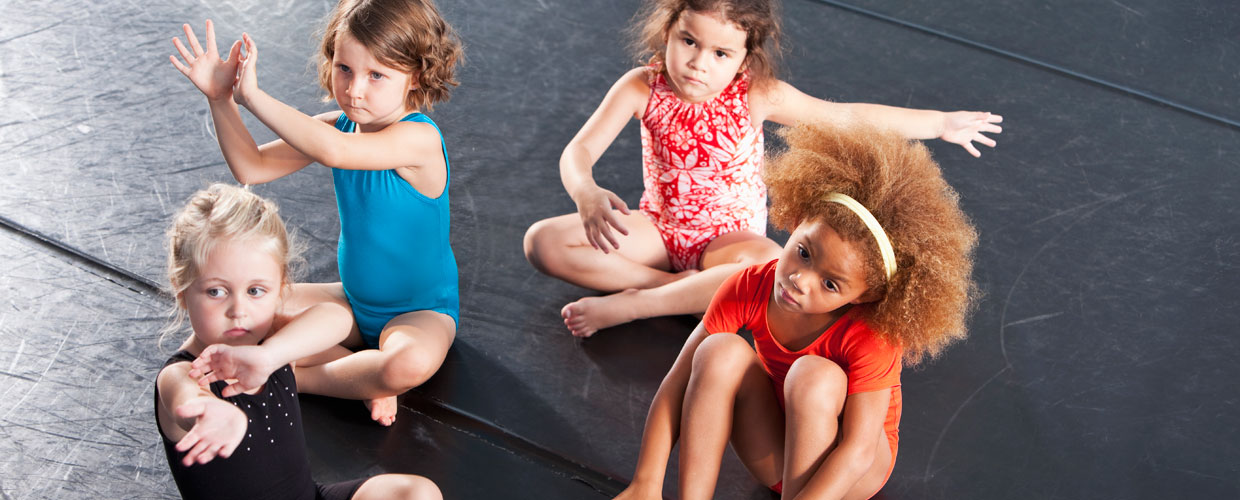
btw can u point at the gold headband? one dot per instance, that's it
(884, 244)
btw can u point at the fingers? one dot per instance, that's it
(968, 146)
(192, 39)
(177, 64)
(993, 118)
(234, 53)
(251, 50)
(185, 54)
(211, 48)
(231, 390)
(981, 139)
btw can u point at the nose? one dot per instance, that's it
(236, 308)
(794, 279)
(356, 87)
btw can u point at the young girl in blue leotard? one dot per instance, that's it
(382, 61)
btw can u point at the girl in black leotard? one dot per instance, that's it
(228, 262)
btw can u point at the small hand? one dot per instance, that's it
(247, 71)
(249, 365)
(218, 429)
(966, 127)
(212, 75)
(596, 209)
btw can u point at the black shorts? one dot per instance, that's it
(343, 490)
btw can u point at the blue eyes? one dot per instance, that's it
(256, 292)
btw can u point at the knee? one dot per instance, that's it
(539, 243)
(408, 367)
(722, 354)
(816, 382)
(419, 488)
(760, 254)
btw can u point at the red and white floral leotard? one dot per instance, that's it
(702, 168)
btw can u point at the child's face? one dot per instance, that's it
(369, 92)
(818, 271)
(236, 295)
(704, 54)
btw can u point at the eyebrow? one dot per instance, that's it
(686, 33)
(813, 250)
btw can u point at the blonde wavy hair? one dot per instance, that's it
(759, 19)
(219, 214)
(924, 306)
(408, 35)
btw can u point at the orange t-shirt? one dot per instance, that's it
(871, 364)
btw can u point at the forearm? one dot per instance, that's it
(911, 123)
(237, 145)
(577, 170)
(316, 140)
(841, 470)
(311, 332)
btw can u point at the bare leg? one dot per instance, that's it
(411, 348)
(814, 395)
(727, 386)
(558, 247)
(723, 257)
(399, 487)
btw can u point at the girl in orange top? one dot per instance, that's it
(875, 274)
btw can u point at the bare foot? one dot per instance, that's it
(591, 314)
(382, 410)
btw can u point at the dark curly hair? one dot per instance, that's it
(923, 307)
(409, 35)
(759, 19)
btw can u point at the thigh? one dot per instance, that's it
(742, 246)
(643, 244)
(304, 295)
(429, 332)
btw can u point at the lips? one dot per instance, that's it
(787, 297)
(236, 332)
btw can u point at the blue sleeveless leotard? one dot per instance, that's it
(394, 253)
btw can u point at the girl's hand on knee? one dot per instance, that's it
(597, 216)
(218, 429)
(246, 84)
(966, 127)
(250, 366)
(212, 76)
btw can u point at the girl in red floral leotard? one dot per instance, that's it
(708, 87)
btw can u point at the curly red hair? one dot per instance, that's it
(409, 35)
(923, 307)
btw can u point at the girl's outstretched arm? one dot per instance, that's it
(215, 78)
(317, 328)
(784, 104)
(397, 145)
(203, 425)
(663, 425)
(626, 99)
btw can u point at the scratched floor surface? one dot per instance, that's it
(1100, 362)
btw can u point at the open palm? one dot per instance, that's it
(205, 69)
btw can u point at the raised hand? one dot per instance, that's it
(218, 429)
(966, 127)
(596, 209)
(213, 76)
(249, 365)
(247, 73)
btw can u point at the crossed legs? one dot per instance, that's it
(638, 274)
(412, 347)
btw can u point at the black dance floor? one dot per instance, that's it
(1101, 362)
